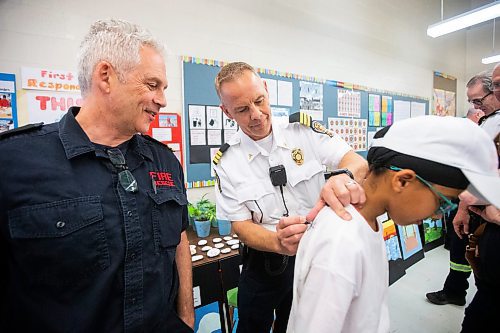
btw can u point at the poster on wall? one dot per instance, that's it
(352, 131)
(433, 230)
(8, 102)
(50, 106)
(373, 110)
(410, 240)
(443, 103)
(166, 128)
(50, 93)
(348, 103)
(208, 319)
(386, 111)
(209, 128)
(311, 99)
(391, 240)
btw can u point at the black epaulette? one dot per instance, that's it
(219, 153)
(22, 129)
(147, 137)
(306, 120)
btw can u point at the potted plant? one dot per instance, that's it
(203, 214)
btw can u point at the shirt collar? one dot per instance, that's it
(252, 149)
(76, 142)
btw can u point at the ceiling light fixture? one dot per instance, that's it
(470, 18)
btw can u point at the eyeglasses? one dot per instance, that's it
(125, 177)
(445, 204)
(479, 101)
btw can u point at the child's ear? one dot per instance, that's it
(402, 179)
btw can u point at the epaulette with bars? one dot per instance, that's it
(306, 120)
(19, 130)
(219, 153)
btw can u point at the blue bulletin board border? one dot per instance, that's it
(198, 89)
(11, 78)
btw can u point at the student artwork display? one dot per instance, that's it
(348, 103)
(433, 229)
(353, 131)
(8, 105)
(209, 127)
(410, 240)
(207, 319)
(288, 93)
(311, 99)
(391, 240)
(166, 128)
(443, 103)
(386, 111)
(374, 110)
(379, 113)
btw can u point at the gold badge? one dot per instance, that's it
(298, 156)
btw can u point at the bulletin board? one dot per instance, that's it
(8, 102)
(352, 111)
(166, 128)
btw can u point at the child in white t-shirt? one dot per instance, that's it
(416, 166)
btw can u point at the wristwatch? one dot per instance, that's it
(341, 171)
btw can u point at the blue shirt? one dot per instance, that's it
(79, 253)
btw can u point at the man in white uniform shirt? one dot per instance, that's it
(269, 171)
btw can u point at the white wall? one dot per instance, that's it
(376, 43)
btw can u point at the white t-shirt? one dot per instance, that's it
(341, 277)
(492, 125)
(246, 191)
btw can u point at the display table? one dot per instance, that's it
(213, 277)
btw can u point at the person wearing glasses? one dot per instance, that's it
(93, 213)
(482, 313)
(341, 271)
(480, 93)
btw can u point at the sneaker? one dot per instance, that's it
(440, 298)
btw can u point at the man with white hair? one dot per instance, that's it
(91, 240)
(474, 114)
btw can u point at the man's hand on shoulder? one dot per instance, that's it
(338, 192)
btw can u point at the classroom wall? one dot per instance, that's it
(376, 43)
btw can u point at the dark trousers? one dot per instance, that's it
(483, 313)
(456, 283)
(261, 293)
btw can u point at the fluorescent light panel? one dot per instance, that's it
(465, 20)
(492, 59)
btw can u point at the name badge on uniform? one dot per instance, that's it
(298, 156)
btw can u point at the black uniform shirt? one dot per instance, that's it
(78, 252)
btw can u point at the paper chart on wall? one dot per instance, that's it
(352, 131)
(196, 117)
(373, 110)
(348, 103)
(386, 111)
(285, 93)
(417, 109)
(272, 89)
(280, 115)
(214, 137)
(214, 117)
(401, 110)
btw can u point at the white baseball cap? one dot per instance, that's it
(456, 142)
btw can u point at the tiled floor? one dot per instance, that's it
(409, 309)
